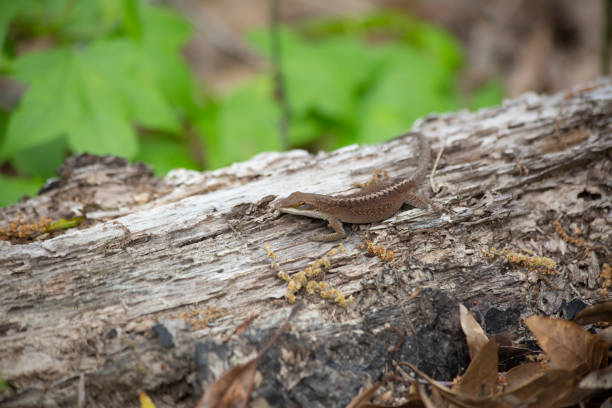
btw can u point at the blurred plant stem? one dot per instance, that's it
(607, 40)
(280, 90)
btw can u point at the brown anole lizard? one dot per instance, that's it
(379, 200)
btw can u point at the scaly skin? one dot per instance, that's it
(376, 202)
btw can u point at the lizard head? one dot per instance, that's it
(294, 200)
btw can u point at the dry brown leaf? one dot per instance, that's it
(480, 378)
(364, 396)
(474, 334)
(413, 403)
(601, 312)
(239, 392)
(234, 387)
(452, 396)
(529, 385)
(503, 339)
(548, 389)
(245, 324)
(600, 379)
(509, 354)
(567, 345)
(606, 335)
(435, 401)
(522, 374)
(363, 399)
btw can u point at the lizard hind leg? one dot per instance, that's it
(417, 200)
(378, 176)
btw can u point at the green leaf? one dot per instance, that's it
(132, 18)
(70, 21)
(12, 189)
(326, 78)
(63, 223)
(489, 94)
(41, 161)
(89, 97)
(260, 39)
(164, 29)
(411, 87)
(305, 130)
(8, 10)
(442, 46)
(339, 85)
(127, 78)
(102, 130)
(164, 154)
(164, 36)
(395, 28)
(247, 123)
(4, 118)
(206, 124)
(322, 76)
(69, 94)
(49, 107)
(306, 69)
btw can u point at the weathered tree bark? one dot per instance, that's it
(147, 293)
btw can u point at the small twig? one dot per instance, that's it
(81, 396)
(422, 377)
(280, 90)
(607, 40)
(550, 283)
(414, 378)
(400, 343)
(434, 187)
(294, 311)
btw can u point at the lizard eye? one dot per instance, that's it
(299, 204)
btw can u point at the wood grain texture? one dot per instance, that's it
(93, 315)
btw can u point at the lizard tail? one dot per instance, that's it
(423, 164)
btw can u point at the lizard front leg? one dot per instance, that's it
(336, 225)
(332, 220)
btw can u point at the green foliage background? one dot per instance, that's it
(111, 80)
